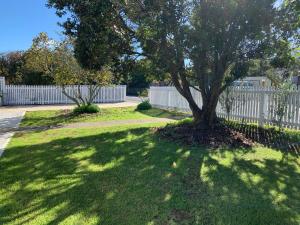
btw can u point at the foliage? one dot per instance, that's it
(86, 109)
(283, 65)
(208, 44)
(20, 67)
(226, 100)
(56, 61)
(67, 71)
(52, 62)
(11, 66)
(145, 105)
(100, 31)
(292, 11)
(143, 94)
(141, 74)
(40, 56)
(34, 66)
(280, 109)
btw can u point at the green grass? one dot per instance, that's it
(127, 175)
(55, 117)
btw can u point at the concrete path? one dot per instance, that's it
(9, 119)
(91, 124)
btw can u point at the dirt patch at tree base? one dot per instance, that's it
(220, 135)
(269, 137)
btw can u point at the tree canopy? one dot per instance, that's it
(202, 44)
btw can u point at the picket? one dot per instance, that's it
(255, 105)
(50, 94)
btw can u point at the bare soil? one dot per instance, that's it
(219, 136)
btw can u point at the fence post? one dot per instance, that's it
(169, 98)
(262, 110)
(149, 95)
(2, 90)
(124, 93)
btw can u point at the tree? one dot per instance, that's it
(140, 75)
(281, 98)
(39, 60)
(32, 67)
(203, 43)
(100, 29)
(67, 71)
(227, 100)
(56, 62)
(291, 9)
(11, 65)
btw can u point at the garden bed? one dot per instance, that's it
(232, 134)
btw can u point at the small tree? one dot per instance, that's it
(280, 109)
(227, 101)
(68, 72)
(56, 61)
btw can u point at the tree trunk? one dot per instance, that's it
(208, 117)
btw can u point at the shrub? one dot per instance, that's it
(145, 105)
(92, 108)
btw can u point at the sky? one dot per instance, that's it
(22, 20)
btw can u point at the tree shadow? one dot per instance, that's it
(245, 191)
(133, 177)
(160, 113)
(48, 119)
(272, 138)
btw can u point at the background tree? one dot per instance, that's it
(291, 8)
(31, 67)
(207, 43)
(140, 75)
(39, 59)
(11, 65)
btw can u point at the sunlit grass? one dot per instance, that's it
(128, 175)
(55, 117)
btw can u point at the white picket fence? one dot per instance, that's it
(43, 95)
(255, 105)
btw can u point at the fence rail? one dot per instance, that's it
(255, 105)
(43, 95)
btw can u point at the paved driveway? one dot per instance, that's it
(9, 119)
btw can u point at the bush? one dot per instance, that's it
(145, 105)
(86, 109)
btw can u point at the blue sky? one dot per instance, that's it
(22, 20)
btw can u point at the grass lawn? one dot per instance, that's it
(128, 175)
(55, 117)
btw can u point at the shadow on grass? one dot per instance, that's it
(270, 137)
(133, 177)
(46, 119)
(160, 113)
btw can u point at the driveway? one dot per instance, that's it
(9, 119)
